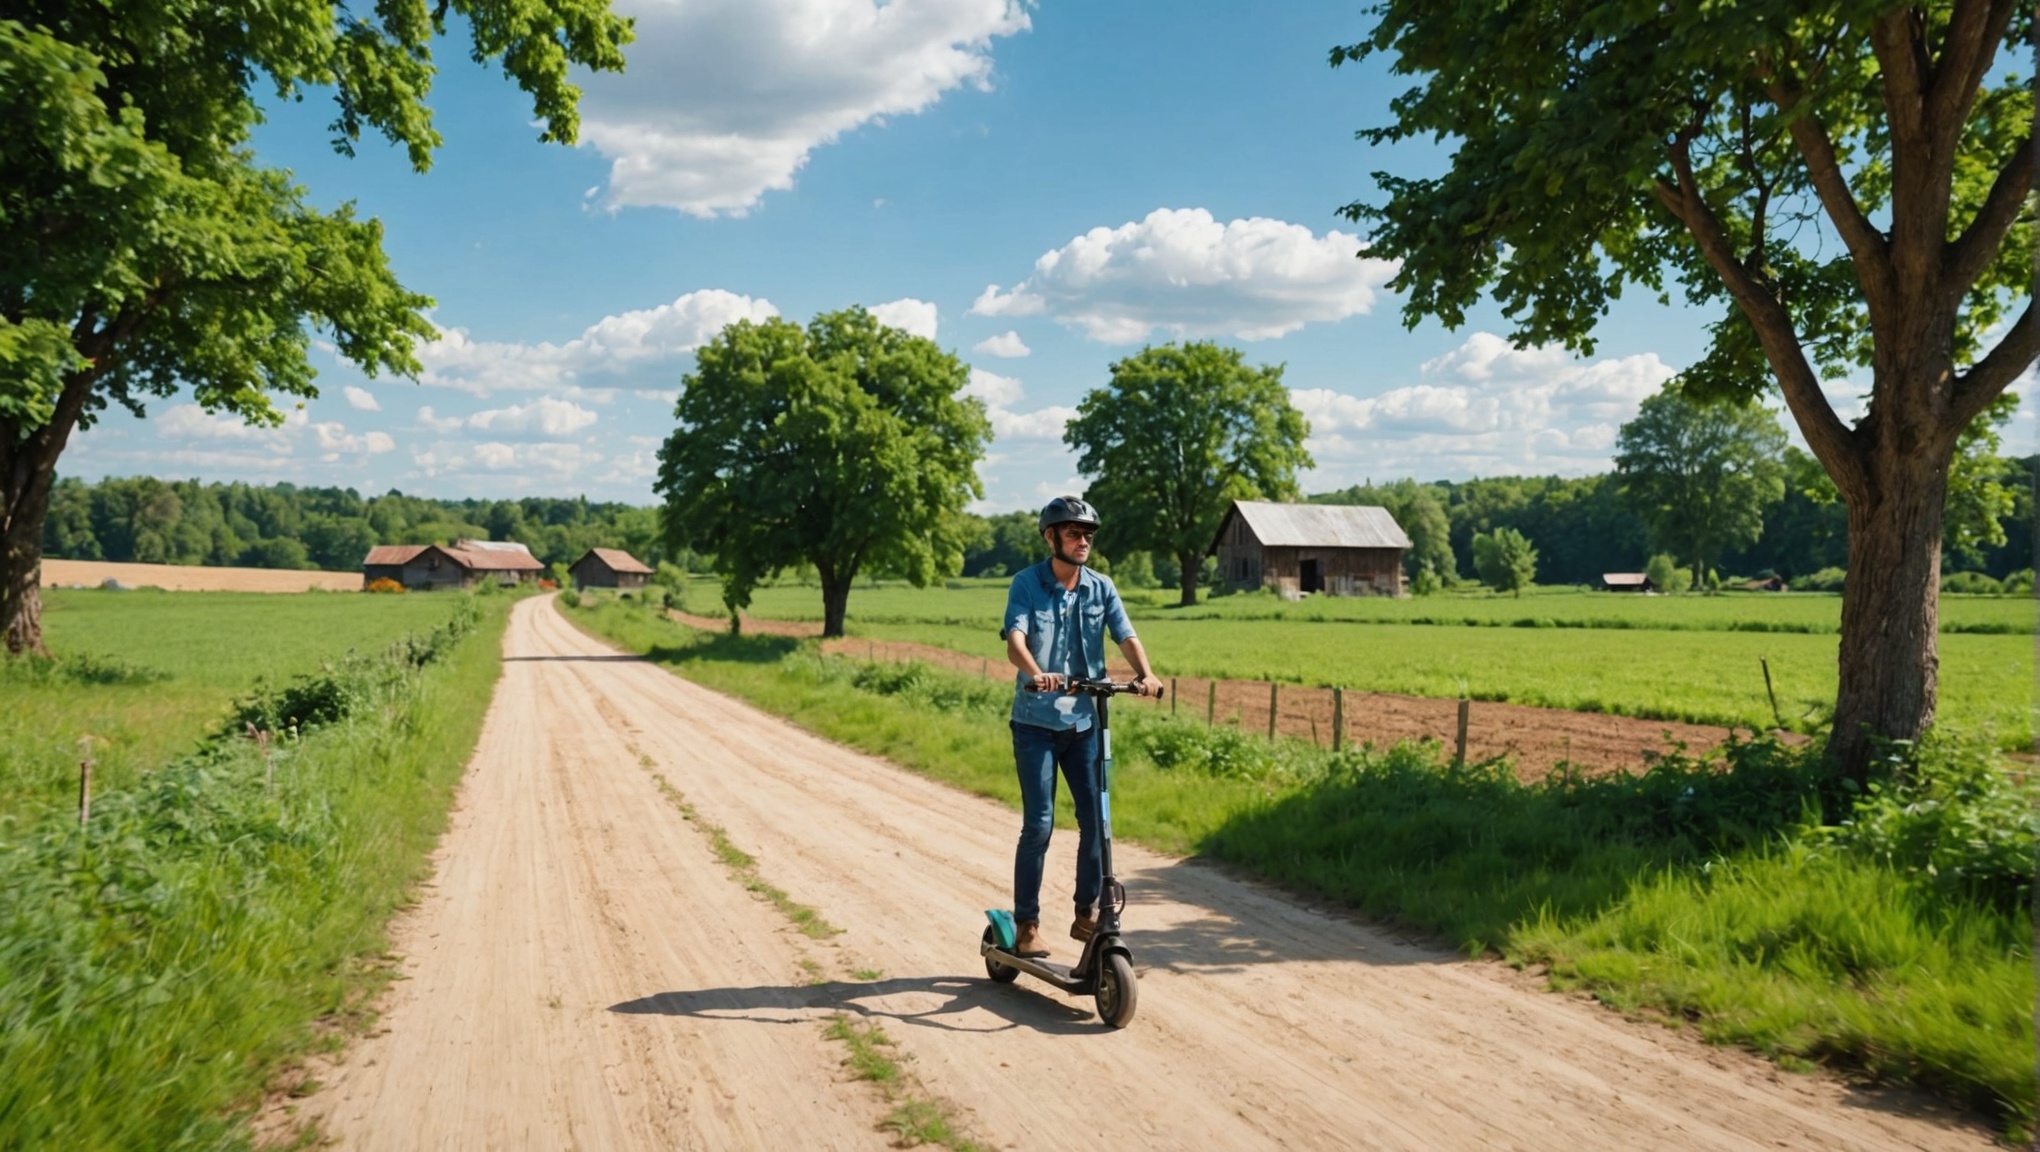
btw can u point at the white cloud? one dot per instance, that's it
(191, 422)
(1481, 409)
(335, 441)
(725, 99)
(650, 339)
(541, 464)
(432, 422)
(908, 315)
(1183, 272)
(361, 399)
(1000, 393)
(1006, 345)
(545, 416)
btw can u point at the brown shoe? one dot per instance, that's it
(1084, 926)
(1027, 940)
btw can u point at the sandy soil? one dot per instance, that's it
(180, 578)
(1538, 738)
(585, 974)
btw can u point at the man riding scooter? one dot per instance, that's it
(1057, 614)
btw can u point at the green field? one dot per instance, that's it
(175, 659)
(1702, 665)
(224, 913)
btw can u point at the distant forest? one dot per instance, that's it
(1580, 527)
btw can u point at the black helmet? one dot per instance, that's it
(1068, 510)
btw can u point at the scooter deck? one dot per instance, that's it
(1063, 976)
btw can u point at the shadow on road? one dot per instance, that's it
(1013, 1006)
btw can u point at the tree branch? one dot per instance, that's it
(1868, 248)
(1831, 440)
(1973, 251)
(1988, 378)
(1974, 29)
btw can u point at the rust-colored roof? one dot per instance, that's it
(393, 553)
(618, 560)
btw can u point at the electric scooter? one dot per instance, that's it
(1105, 970)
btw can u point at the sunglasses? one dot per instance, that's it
(1079, 533)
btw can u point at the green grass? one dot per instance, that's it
(194, 651)
(161, 968)
(972, 601)
(1699, 661)
(1695, 892)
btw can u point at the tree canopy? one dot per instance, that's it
(1505, 560)
(1701, 475)
(1179, 433)
(148, 251)
(1844, 183)
(844, 445)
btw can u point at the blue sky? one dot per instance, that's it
(1044, 188)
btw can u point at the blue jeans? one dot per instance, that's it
(1037, 752)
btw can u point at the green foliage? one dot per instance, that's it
(1659, 572)
(147, 520)
(1426, 582)
(1973, 583)
(1825, 580)
(570, 597)
(176, 954)
(1221, 751)
(1700, 475)
(1505, 560)
(1946, 812)
(1178, 434)
(1003, 545)
(844, 445)
(1980, 503)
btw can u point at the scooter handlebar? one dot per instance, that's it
(1081, 686)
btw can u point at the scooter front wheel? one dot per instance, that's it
(1117, 993)
(1000, 973)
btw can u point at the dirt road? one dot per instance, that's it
(586, 973)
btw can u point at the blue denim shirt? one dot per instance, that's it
(1052, 617)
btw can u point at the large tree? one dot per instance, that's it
(1845, 181)
(146, 250)
(845, 445)
(1179, 433)
(1701, 475)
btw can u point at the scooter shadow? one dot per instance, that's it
(1012, 1005)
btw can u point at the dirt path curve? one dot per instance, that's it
(584, 974)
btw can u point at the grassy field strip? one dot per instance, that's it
(974, 600)
(1695, 677)
(162, 968)
(1689, 893)
(148, 674)
(918, 1116)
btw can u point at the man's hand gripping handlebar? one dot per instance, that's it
(1081, 686)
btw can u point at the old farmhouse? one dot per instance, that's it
(424, 567)
(609, 568)
(1336, 549)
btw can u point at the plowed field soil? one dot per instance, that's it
(586, 973)
(1538, 739)
(185, 578)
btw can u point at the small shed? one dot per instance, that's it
(609, 568)
(1335, 549)
(426, 567)
(1626, 582)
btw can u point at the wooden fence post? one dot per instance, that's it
(1211, 703)
(1273, 704)
(1459, 753)
(1770, 691)
(1172, 696)
(85, 781)
(1338, 718)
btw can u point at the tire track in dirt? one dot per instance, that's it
(1262, 1023)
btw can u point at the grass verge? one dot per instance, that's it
(224, 914)
(1765, 904)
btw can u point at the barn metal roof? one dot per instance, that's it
(618, 560)
(495, 556)
(1318, 525)
(394, 553)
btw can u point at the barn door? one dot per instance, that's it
(1313, 577)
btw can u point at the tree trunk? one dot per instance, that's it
(1891, 607)
(835, 604)
(27, 472)
(1193, 566)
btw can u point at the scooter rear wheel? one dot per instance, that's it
(1117, 993)
(1000, 973)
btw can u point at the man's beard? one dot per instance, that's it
(1067, 558)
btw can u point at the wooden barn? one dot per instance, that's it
(1334, 549)
(1626, 582)
(427, 567)
(609, 568)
